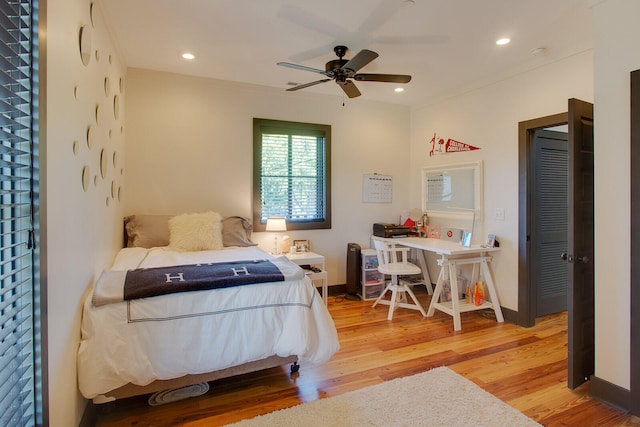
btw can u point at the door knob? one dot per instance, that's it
(582, 260)
(565, 257)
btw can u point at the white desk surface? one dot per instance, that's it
(442, 247)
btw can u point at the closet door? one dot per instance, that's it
(549, 224)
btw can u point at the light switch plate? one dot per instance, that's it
(499, 214)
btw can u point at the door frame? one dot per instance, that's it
(526, 291)
(635, 245)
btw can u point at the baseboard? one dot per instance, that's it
(610, 393)
(90, 415)
(509, 315)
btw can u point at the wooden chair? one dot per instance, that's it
(389, 264)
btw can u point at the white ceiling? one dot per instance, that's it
(447, 46)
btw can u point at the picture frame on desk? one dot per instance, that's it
(301, 245)
(433, 231)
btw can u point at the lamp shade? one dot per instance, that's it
(276, 224)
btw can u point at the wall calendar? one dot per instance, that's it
(377, 188)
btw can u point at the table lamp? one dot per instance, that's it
(276, 224)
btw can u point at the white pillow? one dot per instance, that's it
(196, 232)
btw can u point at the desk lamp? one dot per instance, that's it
(276, 224)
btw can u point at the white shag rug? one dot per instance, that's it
(439, 397)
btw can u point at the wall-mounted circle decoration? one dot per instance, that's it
(113, 189)
(85, 44)
(75, 147)
(119, 193)
(86, 176)
(121, 129)
(90, 137)
(107, 86)
(103, 163)
(106, 201)
(115, 159)
(91, 14)
(97, 114)
(110, 59)
(116, 106)
(95, 180)
(76, 92)
(121, 171)
(121, 84)
(97, 55)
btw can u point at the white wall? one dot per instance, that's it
(616, 54)
(488, 118)
(83, 232)
(189, 149)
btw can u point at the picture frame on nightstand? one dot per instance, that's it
(301, 245)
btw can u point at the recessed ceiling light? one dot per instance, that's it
(408, 3)
(399, 89)
(188, 55)
(503, 41)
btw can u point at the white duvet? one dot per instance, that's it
(174, 335)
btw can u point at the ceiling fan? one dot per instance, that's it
(342, 70)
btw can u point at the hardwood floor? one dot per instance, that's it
(525, 367)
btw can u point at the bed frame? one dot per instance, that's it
(130, 390)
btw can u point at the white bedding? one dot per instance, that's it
(174, 335)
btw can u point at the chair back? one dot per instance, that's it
(382, 251)
(388, 254)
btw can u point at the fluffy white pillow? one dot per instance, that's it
(196, 232)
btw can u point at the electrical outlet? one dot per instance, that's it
(499, 214)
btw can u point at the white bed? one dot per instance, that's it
(137, 346)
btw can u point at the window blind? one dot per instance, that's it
(17, 377)
(292, 177)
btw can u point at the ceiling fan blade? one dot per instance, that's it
(302, 86)
(360, 60)
(390, 78)
(349, 88)
(302, 67)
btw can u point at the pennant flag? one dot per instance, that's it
(440, 146)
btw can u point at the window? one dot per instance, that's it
(20, 404)
(291, 174)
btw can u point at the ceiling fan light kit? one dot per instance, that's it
(343, 71)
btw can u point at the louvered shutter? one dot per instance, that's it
(17, 384)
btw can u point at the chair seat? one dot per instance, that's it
(399, 269)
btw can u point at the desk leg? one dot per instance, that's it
(455, 297)
(436, 294)
(486, 270)
(475, 274)
(425, 270)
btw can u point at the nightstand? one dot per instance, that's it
(314, 260)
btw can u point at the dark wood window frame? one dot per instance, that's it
(318, 212)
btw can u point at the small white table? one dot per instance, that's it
(453, 254)
(314, 260)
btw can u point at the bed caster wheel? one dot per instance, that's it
(295, 367)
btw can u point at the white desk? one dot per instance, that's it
(452, 254)
(312, 259)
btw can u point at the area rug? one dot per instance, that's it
(439, 397)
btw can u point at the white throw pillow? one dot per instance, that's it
(196, 232)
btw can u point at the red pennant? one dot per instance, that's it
(440, 146)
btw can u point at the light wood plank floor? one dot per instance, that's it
(525, 367)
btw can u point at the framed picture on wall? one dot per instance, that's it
(301, 245)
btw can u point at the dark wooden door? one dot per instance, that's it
(580, 244)
(549, 221)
